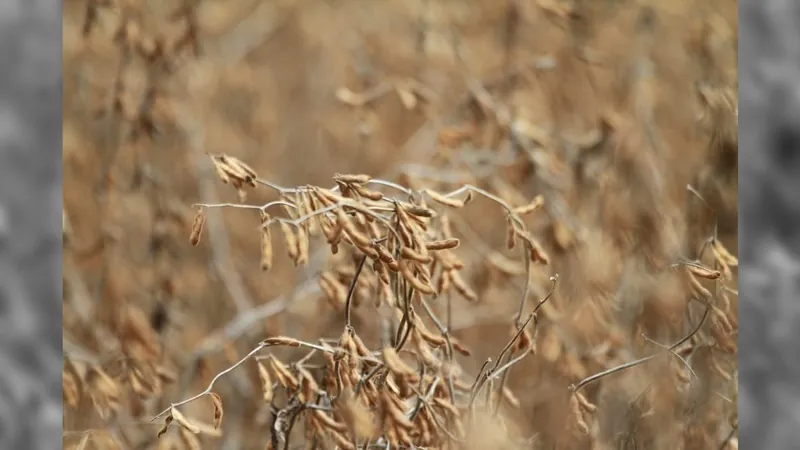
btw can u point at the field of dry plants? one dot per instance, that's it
(400, 224)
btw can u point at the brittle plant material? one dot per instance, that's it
(703, 272)
(444, 244)
(723, 254)
(218, 410)
(291, 241)
(190, 440)
(397, 366)
(266, 242)
(577, 413)
(698, 287)
(511, 233)
(197, 227)
(357, 179)
(461, 286)
(534, 205)
(103, 390)
(335, 292)
(283, 375)
(537, 253)
(266, 383)
(445, 200)
(71, 384)
(191, 425)
(408, 272)
(233, 170)
(413, 255)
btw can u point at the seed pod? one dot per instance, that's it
(302, 246)
(266, 383)
(284, 376)
(443, 283)
(445, 244)
(446, 226)
(459, 347)
(334, 291)
(703, 272)
(576, 411)
(361, 349)
(537, 253)
(724, 254)
(396, 365)
(585, 404)
(426, 335)
(250, 175)
(220, 173)
(386, 257)
(411, 254)
(197, 227)
(369, 193)
(381, 270)
(290, 239)
(511, 233)
(266, 243)
(420, 211)
(359, 239)
(698, 288)
(444, 200)
(537, 203)
(416, 283)
(351, 178)
(461, 287)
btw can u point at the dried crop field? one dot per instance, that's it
(400, 224)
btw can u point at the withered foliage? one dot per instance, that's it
(510, 225)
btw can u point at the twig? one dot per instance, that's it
(264, 344)
(521, 327)
(628, 365)
(351, 290)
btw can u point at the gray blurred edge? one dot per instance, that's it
(769, 224)
(30, 224)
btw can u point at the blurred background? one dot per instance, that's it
(608, 109)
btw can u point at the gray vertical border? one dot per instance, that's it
(30, 224)
(769, 224)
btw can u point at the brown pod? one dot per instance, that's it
(351, 178)
(197, 227)
(537, 203)
(266, 243)
(444, 244)
(703, 272)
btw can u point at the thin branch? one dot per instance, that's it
(628, 365)
(351, 290)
